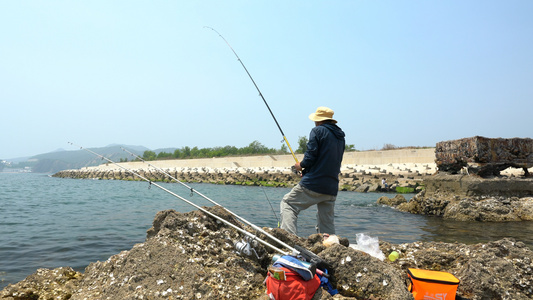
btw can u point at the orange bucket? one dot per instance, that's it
(435, 285)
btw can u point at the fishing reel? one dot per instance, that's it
(299, 173)
(246, 247)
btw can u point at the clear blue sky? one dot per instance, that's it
(407, 73)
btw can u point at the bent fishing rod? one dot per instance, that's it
(260, 94)
(248, 234)
(212, 201)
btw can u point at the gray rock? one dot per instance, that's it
(362, 276)
(394, 202)
(363, 188)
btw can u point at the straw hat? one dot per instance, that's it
(322, 114)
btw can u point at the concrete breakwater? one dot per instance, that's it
(361, 171)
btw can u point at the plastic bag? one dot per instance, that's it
(331, 240)
(368, 245)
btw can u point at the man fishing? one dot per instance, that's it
(320, 181)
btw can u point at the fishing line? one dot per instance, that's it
(263, 188)
(260, 94)
(248, 234)
(207, 198)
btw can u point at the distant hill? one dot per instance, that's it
(74, 159)
(18, 159)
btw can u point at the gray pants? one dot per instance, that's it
(300, 198)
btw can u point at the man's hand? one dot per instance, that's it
(298, 167)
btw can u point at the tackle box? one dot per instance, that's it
(429, 284)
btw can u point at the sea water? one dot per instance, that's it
(48, 222)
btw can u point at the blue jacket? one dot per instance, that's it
(322, 160)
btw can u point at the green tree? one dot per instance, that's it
(230, 150)
(206, 152)
(177, 153)
(149, 155)
(164, 155)
(197, 153)
(302, 144)
(255, 147)
(186, 151)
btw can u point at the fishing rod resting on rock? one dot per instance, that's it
(244, 246)
(260, 94)
(248, 234)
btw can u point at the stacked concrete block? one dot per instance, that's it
(484, 156)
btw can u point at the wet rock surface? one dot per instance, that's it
(397, 200)
(470, 198)
(192, 256)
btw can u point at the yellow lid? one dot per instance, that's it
(430, 275)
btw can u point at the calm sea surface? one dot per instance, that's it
(50, 222)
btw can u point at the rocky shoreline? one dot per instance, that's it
(192, 256)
